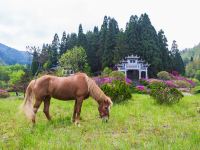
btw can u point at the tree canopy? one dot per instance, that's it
(106, 46)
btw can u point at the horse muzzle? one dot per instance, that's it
(105, 119)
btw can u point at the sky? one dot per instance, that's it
(34, 22)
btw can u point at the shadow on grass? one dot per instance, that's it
(57, 122)
(54, 123)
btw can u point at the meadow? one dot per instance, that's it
(139, 123)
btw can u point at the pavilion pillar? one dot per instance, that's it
(125, 73)
(140, 74)
(146, 73)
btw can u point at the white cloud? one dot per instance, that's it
(33, 22)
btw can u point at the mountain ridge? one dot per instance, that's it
(11, 56)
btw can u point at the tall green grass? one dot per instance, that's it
(139, 123)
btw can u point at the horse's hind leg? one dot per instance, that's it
(46, 107)
(35, 108)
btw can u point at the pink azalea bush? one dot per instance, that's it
(104, 80)
(141, 89)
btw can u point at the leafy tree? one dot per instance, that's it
(74, 59)
(192, 67)
(197, 75)
(16, 76)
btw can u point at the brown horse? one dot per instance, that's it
(76, 87)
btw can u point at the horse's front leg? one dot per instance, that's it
(77, 110)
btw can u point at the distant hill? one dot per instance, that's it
(10, 56)
(194, 52)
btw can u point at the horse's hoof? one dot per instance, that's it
(77, 123)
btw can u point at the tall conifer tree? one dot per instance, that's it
(63, 44)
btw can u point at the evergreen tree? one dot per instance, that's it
(110, 43)
(43, 57)
(165, 54)
(82, 41)
(54, 50)
(35, 63)
(132, 35)
(92, 48)
(148, 47)
(121, 49)
(72, 40)
(177, 61)
(63, 44)
(102, 39)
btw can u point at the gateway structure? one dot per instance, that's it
(133, 67)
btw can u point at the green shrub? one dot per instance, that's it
(117, 74)
(196, 90)
(182, 84)
(143, 82)
(166, 95)
(118, 91)
(164, 75)
(197, 74)
(106, 71)
(196, 81)
(156, 85)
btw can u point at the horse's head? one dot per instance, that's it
(104, 108)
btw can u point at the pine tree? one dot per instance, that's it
(72, 40)
(35, 63)
(165, 54)
(102, 39)
(121, 49)
(132, 35)
(55, 49)
(63, 44)
(148, 47)
(177, 61)
(82, 41)
(110, 43)
(92, 48)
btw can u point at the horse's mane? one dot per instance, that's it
(96, 92)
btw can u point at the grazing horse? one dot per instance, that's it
(76, 87)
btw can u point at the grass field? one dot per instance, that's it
(136, 124)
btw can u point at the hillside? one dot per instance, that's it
(12, 56)
(190, 52)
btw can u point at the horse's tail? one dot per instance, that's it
(28, 102)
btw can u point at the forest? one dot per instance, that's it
(107, 45)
